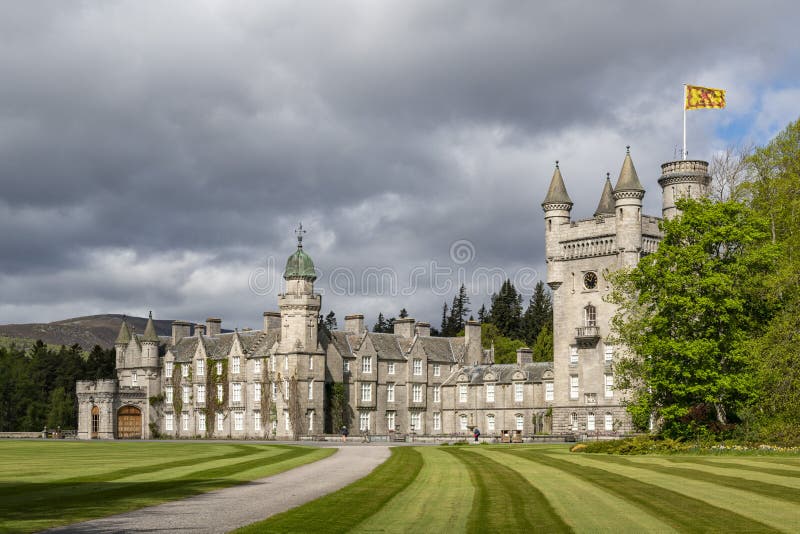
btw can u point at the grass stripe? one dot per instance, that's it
(582, 505)
(345, 509)
(504, 501)
(437, 497)
(773, 491)
(682, 512)
(761, 469)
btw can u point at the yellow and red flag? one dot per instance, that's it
(704, 97)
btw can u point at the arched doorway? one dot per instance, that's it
(95, 422)
(129, 423)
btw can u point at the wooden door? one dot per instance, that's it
(129, 423)
(95, 421)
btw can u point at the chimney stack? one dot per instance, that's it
(524, 355)
(199, 330)
(354, 324)
(423, 329)
(213, 326)
(180, 330)
(272, 321)
(404, 327)
(472, 332)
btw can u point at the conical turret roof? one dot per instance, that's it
(150, 330)
(557, 193)
(124, 336)
(606, 204)
(628, 179)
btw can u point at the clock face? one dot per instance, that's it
(590, 280)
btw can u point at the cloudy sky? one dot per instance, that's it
(159, 155)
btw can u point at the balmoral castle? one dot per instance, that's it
(289, 378)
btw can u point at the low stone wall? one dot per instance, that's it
(20, 435)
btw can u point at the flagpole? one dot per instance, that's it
(683, 104)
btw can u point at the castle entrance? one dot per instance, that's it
(95, 421)
(129, 423)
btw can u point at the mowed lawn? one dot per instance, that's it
(548, 489)
(49, 483)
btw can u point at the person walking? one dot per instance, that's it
(477, 433)
(344, 433)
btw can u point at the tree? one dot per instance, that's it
(445, 330)
(685, 314)
(538, 315)
(543, 346)
(483, 314)
(506, 311)
(330, 321)
(383, 325)
(403, 313)
(505, 349)
(730, 171)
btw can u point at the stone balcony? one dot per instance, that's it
(587, 336)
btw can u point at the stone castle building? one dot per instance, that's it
(296, 378)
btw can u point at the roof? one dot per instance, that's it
(299, 265)
(606, 205)
(503, 372)
(185, 349)
(437, 349)
(340, 342)
(557, 193)
(124, 334)
(386, 346)
(150, 331)
(628, 179)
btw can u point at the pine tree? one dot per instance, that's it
(380, 324)
(330, 321)
(403, 313)
(506, 310)
(483, 315)
(538, 314)
(445, 330)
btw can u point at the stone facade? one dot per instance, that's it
(277, 382)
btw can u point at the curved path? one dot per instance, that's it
(226, 509)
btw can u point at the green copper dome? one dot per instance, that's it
(299, 265)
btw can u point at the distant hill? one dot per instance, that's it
(85, 331)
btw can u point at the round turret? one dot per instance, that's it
(682, 179)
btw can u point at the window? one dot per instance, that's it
(391, 419)
(201, 367)
(286, 425)
(185, 421)
(310, 390)
(237, 392)
(417, 366)
(391, 368)
(257, 420)
(462, 393)
(363, 421)
(520, 421)
(286, 388)
(238, 420)
(310, 363)
(573, 355)
(184, 370)
(168, 369)
(272, 364)
(186, 395)
(201, 422)
(589, 316)
(219, 368)
(608, 353)
(590, 422)
(548, 391)
(201, 394)
(573, 421)
(257, 367)
(256, 393)
(311, 420)
(437, 369)
(169, 424)
(437, 393)
(274, 390)
(415, 424)
(573, 386)
(389, 392)
(236, 364)
(416, 391)
(220, 421)
(347, 366)
(519, 392)
(366, 364)
(366, 392)
(609, 422)
(489, 392)
(609, 385)
(286, 363)
(220, 393)
(462, 421)
(490, 427)
(134, 378)
(168, 394)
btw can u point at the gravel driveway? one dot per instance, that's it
(237, 506)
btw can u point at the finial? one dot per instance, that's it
(299, 232)
(556, 164)
(150, 314)
(628, 149)
(608, 176)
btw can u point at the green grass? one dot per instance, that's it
(45, 484)
(548, 489)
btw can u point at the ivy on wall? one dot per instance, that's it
(213, 404)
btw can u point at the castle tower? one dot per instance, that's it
(628, 195)
(299, 305)
(123, 338)
(682, 179)
(150, 344)
(557, 207)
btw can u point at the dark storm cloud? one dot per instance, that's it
(166, 134)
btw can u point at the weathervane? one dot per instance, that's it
(299, 232)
